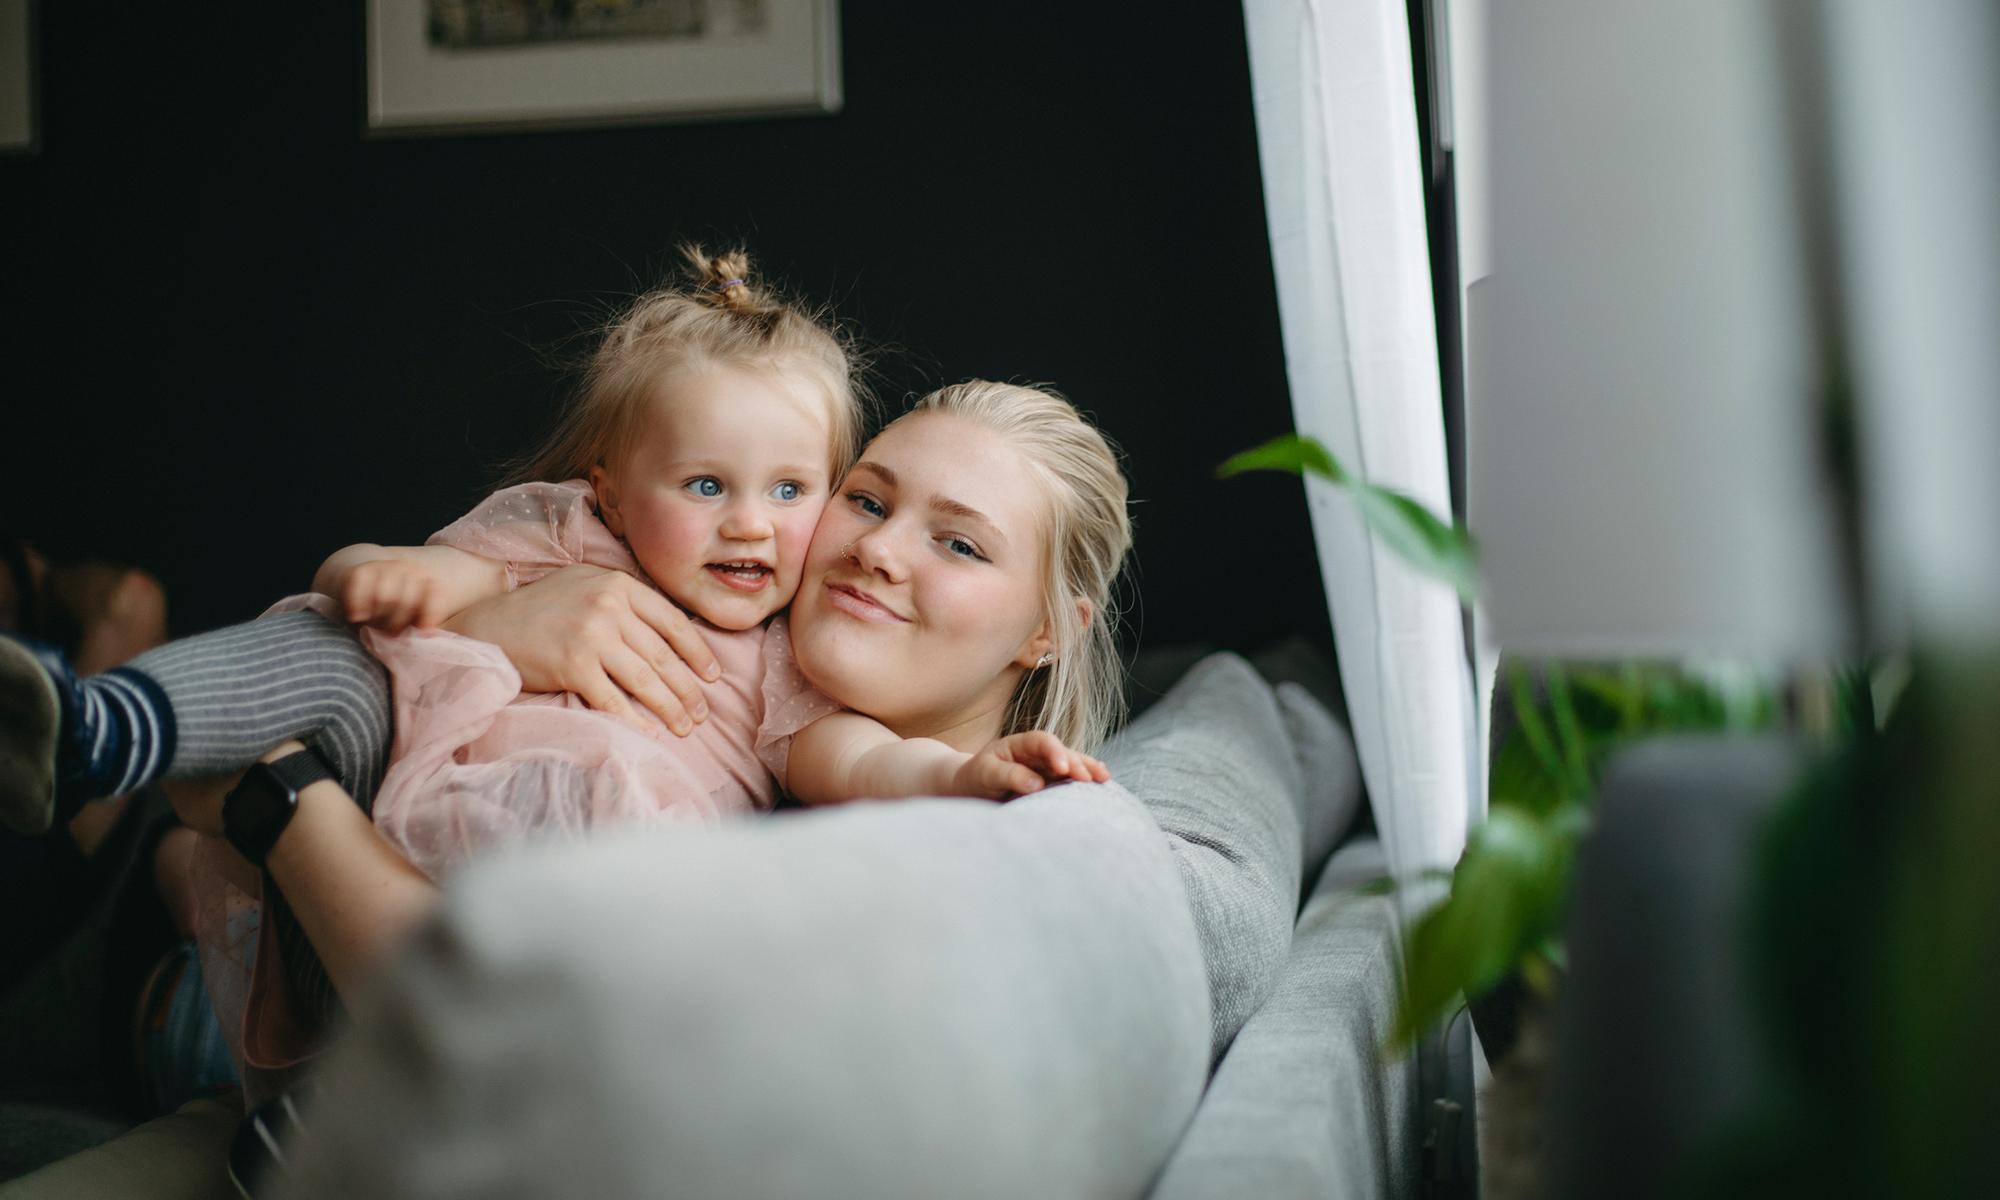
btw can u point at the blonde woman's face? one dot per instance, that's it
(718, 495)
(922, 599)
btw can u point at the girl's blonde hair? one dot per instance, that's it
(1080, 695)
(719, 316)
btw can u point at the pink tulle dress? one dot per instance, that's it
(477, 763)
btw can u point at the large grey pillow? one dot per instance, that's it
(930, 998)
(1247, 788)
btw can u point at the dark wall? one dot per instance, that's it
(242, 334)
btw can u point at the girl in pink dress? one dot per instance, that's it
(701, 448)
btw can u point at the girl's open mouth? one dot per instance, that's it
(745, 575)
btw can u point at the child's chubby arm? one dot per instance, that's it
(395, 587)
(847, 756)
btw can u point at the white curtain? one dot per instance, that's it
(1335, 103)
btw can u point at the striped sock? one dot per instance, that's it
(128, 731)
(237, 692)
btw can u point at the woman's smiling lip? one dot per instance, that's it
(860, 605)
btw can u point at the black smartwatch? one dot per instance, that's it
(257, 810)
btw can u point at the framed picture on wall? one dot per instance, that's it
(17, 77)
(470, 66)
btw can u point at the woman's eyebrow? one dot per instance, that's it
(939, 504)
(965, 512)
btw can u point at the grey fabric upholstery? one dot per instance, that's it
(1329, 775)
(1305, 1104)
(1215, 762)
(919, 999)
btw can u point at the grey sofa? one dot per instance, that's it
(1103, 990)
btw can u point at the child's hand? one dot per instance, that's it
(1019, 764)
(393, 594)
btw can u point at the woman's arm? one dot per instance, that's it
(847, 756)
(355, 896)
(394, 587)
(603, 635)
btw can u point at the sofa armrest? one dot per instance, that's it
(1305, 1103)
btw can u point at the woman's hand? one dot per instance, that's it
(1022, 763)
(603, 635)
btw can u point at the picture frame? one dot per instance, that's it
(19, 133)
(477, 66)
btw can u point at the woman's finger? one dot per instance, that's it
(604, 696)
(632, 673)
(664, 668)
(677, 630)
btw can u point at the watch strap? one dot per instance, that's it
(300, 769)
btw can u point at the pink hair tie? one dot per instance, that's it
(726, 284)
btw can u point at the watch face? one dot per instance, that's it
(257, 811)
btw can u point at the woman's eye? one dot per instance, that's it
(961, 547)
(708, 486)
(866, 503)
(787, 492)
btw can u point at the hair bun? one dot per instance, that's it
(724, 279)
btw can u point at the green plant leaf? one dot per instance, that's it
(1530, 729)
(1569, 731)
(1517, 780)
(1292, 452)
(1621, 691)
(1420, 539)
(1506, 901)
(1409, 529)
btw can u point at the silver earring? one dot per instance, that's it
(1045, 659)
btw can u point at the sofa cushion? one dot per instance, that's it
(1329, 775)
(926, 998)
(1245, 787)
(1305, 1104)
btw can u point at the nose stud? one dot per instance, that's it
(847, 551)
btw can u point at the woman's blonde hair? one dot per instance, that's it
(1079, 696)
(719, 316)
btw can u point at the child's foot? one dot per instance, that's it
(65, 739)
(31, 717)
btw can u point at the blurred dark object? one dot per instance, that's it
(83, 923)
(1655, 1048)
(1875, 989)
(98, 613)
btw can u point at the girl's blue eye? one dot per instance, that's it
(866, 503)
(961, 547)
(708, 486)
(788, 491)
